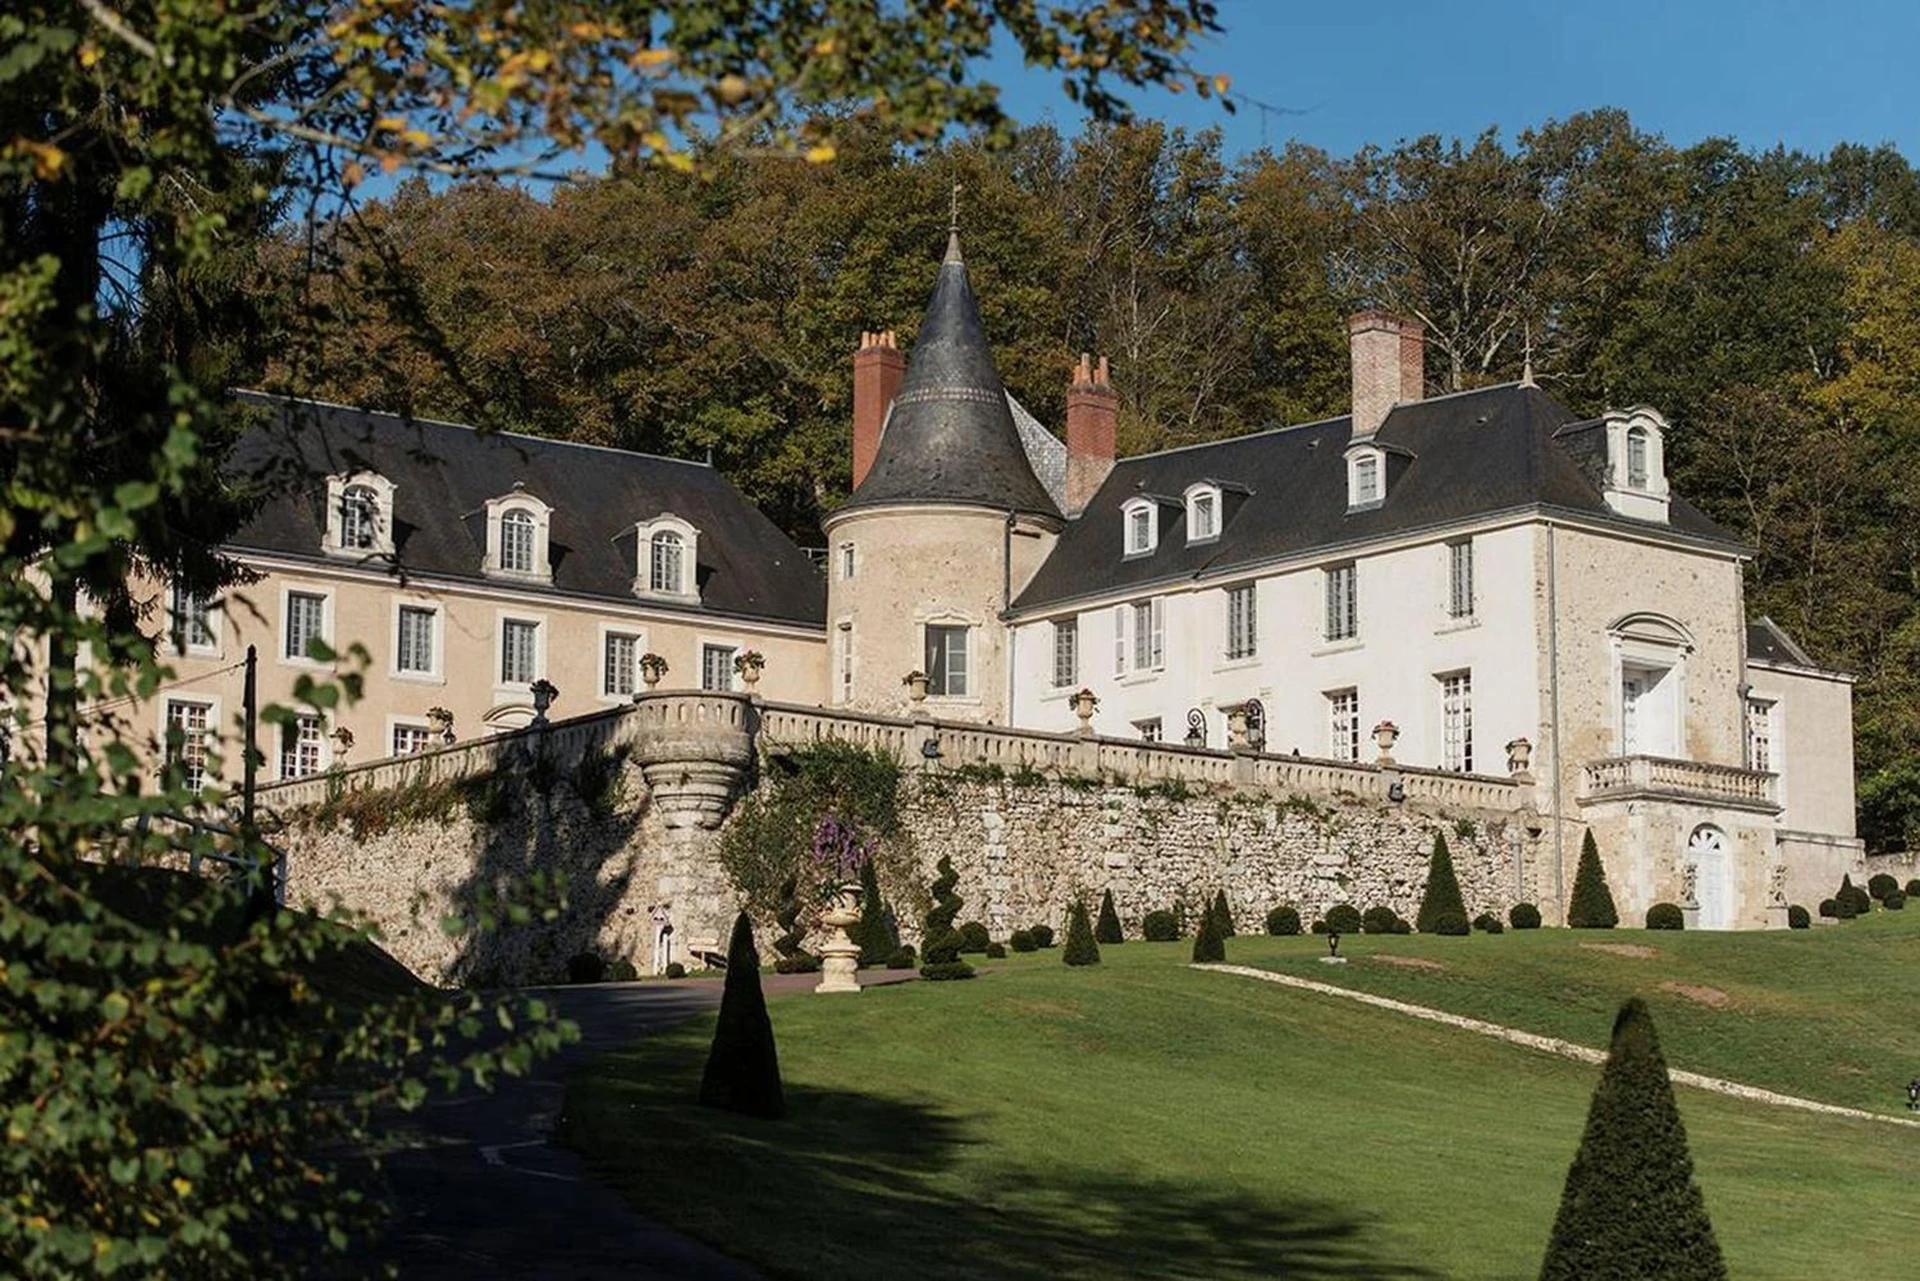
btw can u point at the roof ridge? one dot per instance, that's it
(254, 395)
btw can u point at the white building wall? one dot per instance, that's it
(1405, 641)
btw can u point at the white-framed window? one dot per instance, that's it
(303, 746)
(192, 720)
(1066, 652)
(843, 660)
(1638, 471)
(619, 664)
(665, 561)
(1343, 724)
(519, 529)
(519, 651)
(1460, 579)
(414, 642)
(1343, 602)
(1364, 477)
(359, 515)
(1760, 733)
(1203, 513)
(846, 560)
(1243, 637)
(1149, 634)
(1142, 521)
(716, 667)
(1456, 721)
(306, 620)
(191, 622)
(947, 668)
(1149, 729)
(517, 536)
(410, 738)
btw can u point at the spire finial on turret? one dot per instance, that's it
(1526, 368)
(953, 226)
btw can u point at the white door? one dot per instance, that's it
(1707, 852)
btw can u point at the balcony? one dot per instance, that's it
(1619, 778)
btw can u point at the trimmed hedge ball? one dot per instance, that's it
(1021, 941)
(1488, 923)
(1798, 918)
(1343, 918)
(1524, 916)
(1283, 921)
(1666, 916)
(1159, 926)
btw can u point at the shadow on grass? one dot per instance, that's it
(861, 1185)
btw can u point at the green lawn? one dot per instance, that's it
(1143, 1118)
(1827, 1013)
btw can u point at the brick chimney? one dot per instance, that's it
(1389, 366)
(1093, 416)
(878, 368)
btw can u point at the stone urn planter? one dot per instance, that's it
(840, 955)
(440, 724)
(748, 666)
(916, 683)
(1385, 735)
(652, 668)
(1519, 756)
(1084, 703)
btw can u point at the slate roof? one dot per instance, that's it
(1768, 642)
(1046, 453)
(951, 437)
(445, 473)
(1466, 455)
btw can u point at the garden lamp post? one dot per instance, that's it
(1913, 1095)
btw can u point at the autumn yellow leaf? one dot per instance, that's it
(821, 153)
(1221, 83)
(89, 53)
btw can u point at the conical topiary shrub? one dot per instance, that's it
(873, 933)
(1081, 948)
(1209, 945)
(1222, 915)
(1107, 930)
(1443, 890)
(1592, 906)
(1631, 1208)
(940, 948)
(743, 1068)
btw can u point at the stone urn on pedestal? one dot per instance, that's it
(652, 668)
(1385, 735)
(916, 683)
(1083, 704)
(840, 955)
(1520, 758)
(748, 665)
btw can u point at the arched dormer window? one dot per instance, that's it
(1203, 513)
(1140, 519)
(668, 558)
(1637, 464)
(1366, 477)
(519, 527)
(359, 515)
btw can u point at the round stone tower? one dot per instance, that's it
(942, 531)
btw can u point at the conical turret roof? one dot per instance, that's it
(951, 437)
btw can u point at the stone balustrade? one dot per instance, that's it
(1631, 777)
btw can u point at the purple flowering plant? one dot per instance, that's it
(839, 853)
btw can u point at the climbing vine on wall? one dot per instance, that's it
(771, 833)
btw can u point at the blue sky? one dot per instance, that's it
(1763, 71)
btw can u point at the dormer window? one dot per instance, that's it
(518, 528)
(359, 515)
(1636, 475)
(667, 564)
(1142, 519)
(1365, 471)
(1203, 513)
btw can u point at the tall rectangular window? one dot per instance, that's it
(1637, 457)
(306, 621)
(947, 661)
(1206, 521)
(1343, 603)
(716, 667)
(191, 720)
(1366, 479)
(1343, 724)
(843, 638)
(1760, 734)
(1460, 579)
(1066, 652)
(1149, 634)
(1456, 721)
(516, 541)
(192, 620)
(300, 747)
(409, 739)
(846, 560)
(1242, 631)
(1139, 530)
(413, 647)
(619, 662)
(519, 645)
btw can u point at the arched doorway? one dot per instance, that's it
(1712, 889)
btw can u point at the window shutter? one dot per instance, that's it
(1159, 631)
(1119, 640)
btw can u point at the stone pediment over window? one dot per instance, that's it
(518, 528)
(667, 554)
(359, 515)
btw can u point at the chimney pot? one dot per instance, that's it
(878, 368)
(1093, 418)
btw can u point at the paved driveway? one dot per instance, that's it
(484, 1194)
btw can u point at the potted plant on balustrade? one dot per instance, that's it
(748, 664)
(916, 683)
(652, 667)
(839, 853)
(1083, 704)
